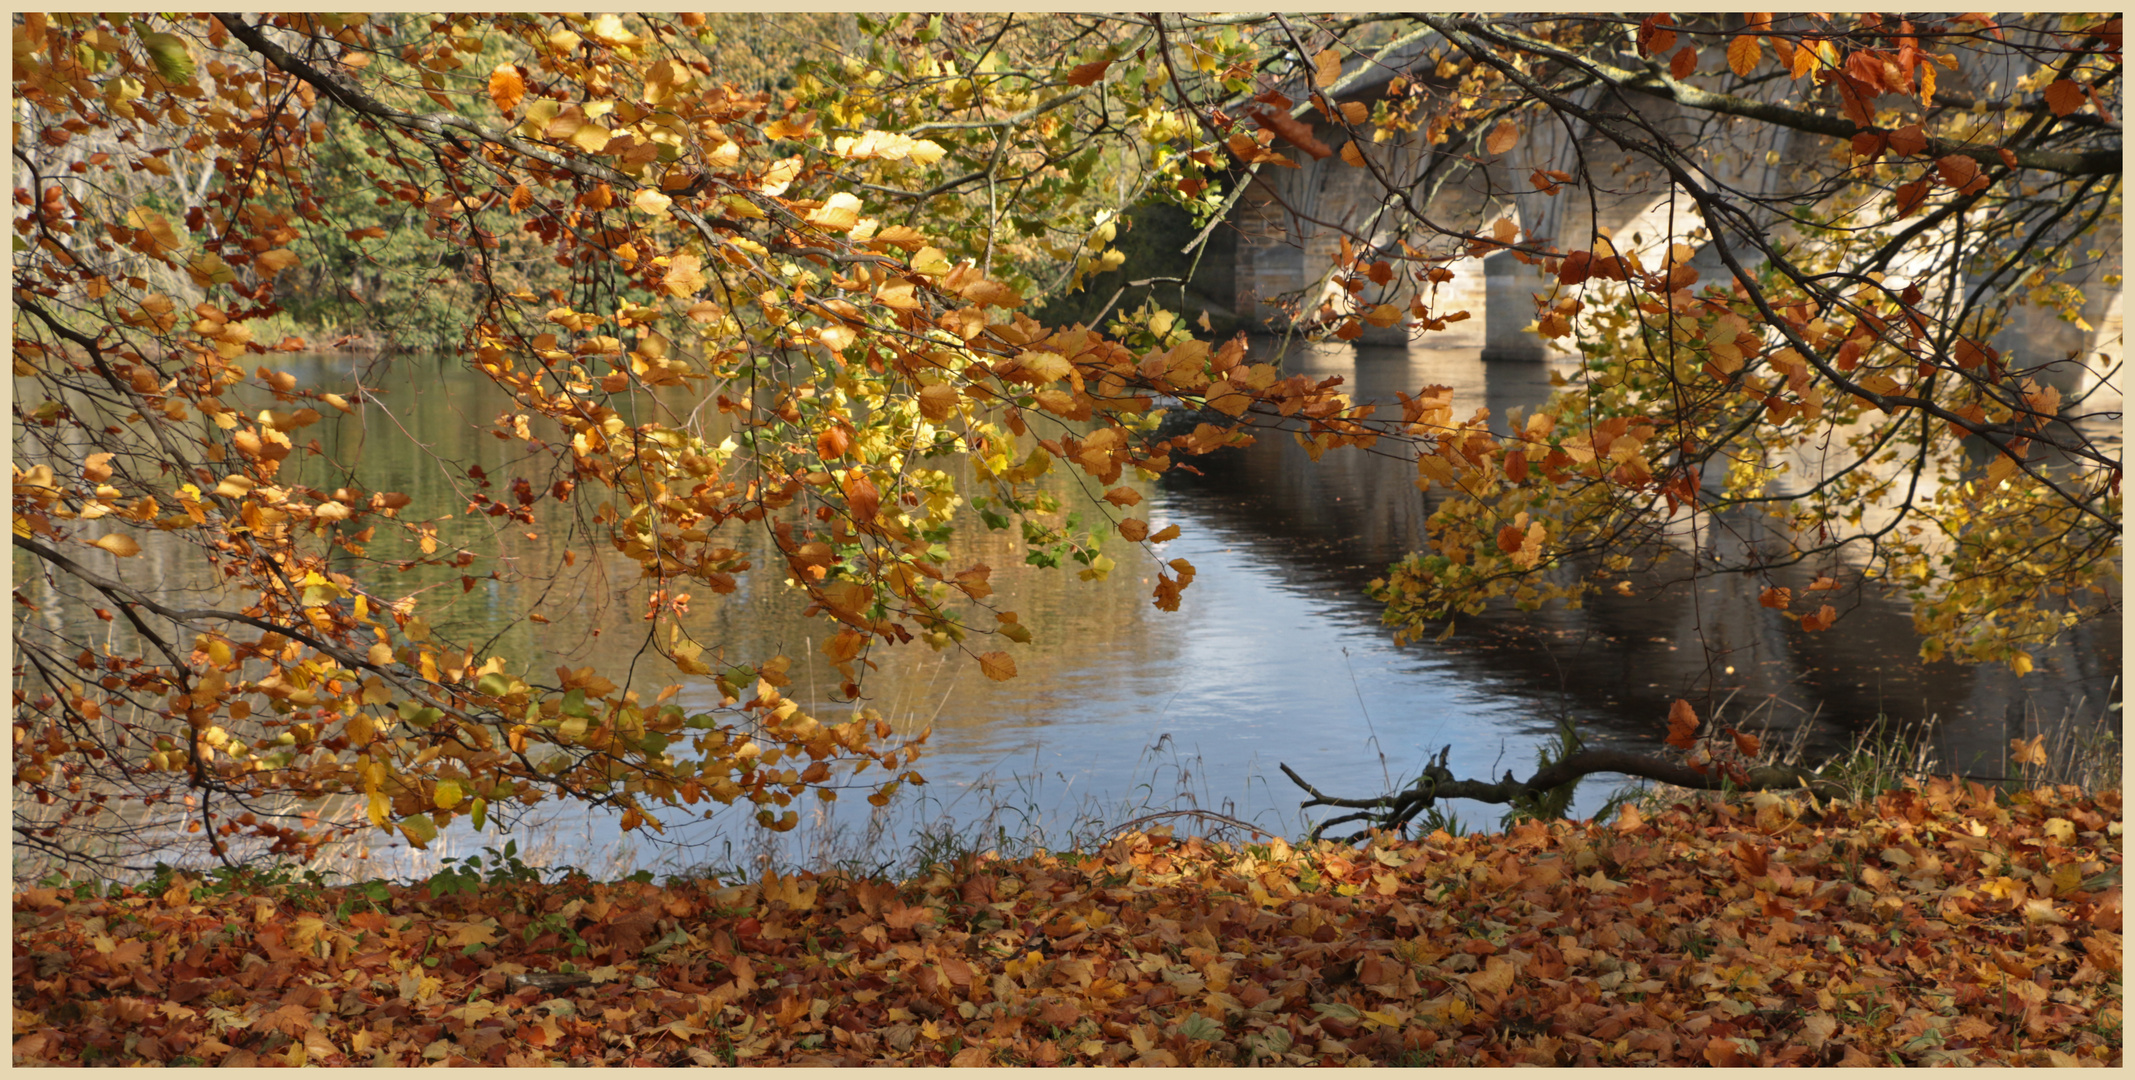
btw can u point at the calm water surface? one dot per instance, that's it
(1275, 654)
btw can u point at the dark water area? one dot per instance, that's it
(1618, 662)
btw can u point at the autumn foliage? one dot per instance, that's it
(1942, 925)
(803, 313)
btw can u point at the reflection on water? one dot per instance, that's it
(1274, 656)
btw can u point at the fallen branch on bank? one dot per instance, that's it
(1393, 812)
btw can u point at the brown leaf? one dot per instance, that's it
(1503, 137)
(1682, 725)
(1684, 63)
(1295, 131)
(1654, 37)
(1957, 170)
(861, 497)
(2065, 96)
(997, 665)
(1088, 74)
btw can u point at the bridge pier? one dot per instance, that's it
(1509, 289)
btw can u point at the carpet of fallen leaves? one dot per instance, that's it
(1935, 926)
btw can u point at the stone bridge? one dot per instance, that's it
(1288, 223)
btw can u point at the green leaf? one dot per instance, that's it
(495, 684)
(173, 59)
(419, 829)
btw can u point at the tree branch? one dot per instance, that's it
(1438, 782)
(1658, 83)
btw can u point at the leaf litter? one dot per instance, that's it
(1939, 925)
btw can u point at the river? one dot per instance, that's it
(1275, 655)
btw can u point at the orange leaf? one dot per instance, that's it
(1957, 170)
(1748, 744)
(861, 496)
(1503, 137)
(1088, 74)
(2064, 96)
(1684, 63)
(1353, 153)
(998, 666)
(1654, 37)
(1910, 196)
(1776, 597)
(1297, 132)
(506, 87)
(1908, 139)
(1682, 725)
(1822, 620)
(1744, 53)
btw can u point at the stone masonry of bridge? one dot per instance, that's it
(1288, 224)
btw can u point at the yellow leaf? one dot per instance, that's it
(1326, 68)
(1495, 978)
(938, 402)
(419, 830)
(998, 666)
(118, 544)
(505, 87)
(591, 138)
(1045, 366)
(2000, 470)
(380, 808)
(930, 261)
(161, 240)
(275, 261)
(838, 214)
(652, 202)
(447, 795)
(209, 269)
(684, 277)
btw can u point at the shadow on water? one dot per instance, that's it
(1618, 662)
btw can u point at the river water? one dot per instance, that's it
(1275, 655)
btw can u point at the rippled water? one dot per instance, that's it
(1275, 655)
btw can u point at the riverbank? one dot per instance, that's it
(1939, 925)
